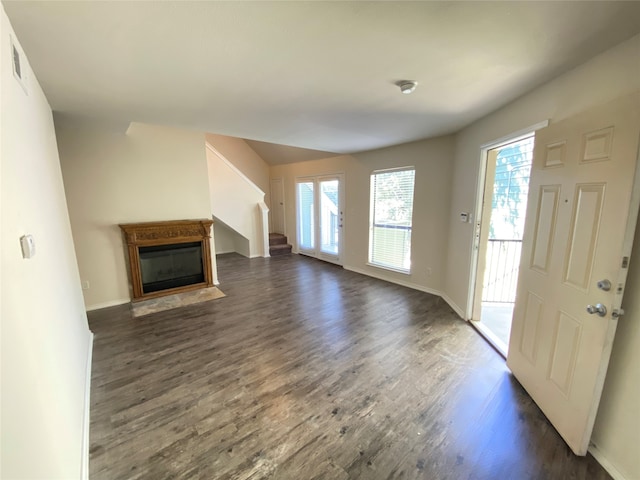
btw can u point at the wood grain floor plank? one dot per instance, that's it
(307, 371)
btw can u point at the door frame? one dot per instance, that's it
(479, 198)
(316, 252)
(273, 207)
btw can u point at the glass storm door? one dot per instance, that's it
(306, 216)
(320, 217)
(330, 217)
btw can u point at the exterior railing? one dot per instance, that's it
(501, 271)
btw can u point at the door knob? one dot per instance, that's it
(604, 285)
(598, 309)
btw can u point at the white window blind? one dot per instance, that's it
(306, 226)
(391, 219)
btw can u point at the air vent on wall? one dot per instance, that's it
(19, 70)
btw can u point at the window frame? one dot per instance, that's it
(372, 224)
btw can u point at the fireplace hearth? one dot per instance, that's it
(168, 257)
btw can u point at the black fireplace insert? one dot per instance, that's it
(170, 266)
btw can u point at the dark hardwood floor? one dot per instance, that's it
(307, 371)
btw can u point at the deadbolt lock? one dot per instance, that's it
(617, 312)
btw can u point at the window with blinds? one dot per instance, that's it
(391, 218)
(306, 226)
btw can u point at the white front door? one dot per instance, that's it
(581, 218)
(320, 216)
(277, 206)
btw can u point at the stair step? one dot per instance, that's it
(279, 250)
(277, 239)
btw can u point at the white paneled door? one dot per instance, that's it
(580, 221)
(277, 206)
(320, 217)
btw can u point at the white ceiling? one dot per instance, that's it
(276, 154)
(316, 75)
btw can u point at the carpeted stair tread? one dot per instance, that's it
(278, 244)
(279, 250)
(277, 239)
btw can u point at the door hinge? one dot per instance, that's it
(625, 262)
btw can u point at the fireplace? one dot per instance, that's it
(168, 257)
(170, 266)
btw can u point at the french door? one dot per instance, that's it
(320, 206)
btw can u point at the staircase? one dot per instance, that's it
(278, 245)
(237, 203)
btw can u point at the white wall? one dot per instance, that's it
(245, 159)
(224, 238)
(45, 337)
(610, 75)
(234, 201)
(149, 173)
(432, 160)
(228, 241)
(616, 433)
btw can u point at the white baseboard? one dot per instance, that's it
(606, 464)
(381, 276)
(87, 412)
(456, 308)
(225, 251)
(111, 303)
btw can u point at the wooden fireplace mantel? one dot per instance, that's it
(166, 233)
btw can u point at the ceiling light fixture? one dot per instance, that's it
(407, 86)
